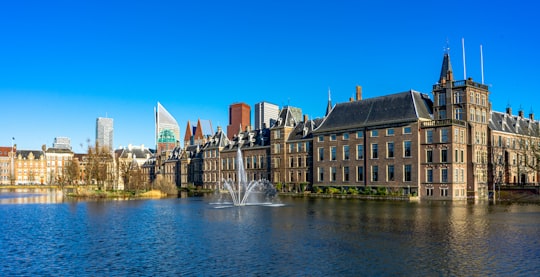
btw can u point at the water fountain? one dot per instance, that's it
(244, 192)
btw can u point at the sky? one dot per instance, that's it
(65, 63)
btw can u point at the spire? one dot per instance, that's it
(446, 69)
(329, 106)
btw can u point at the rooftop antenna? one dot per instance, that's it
(464, 64)
(482, 63)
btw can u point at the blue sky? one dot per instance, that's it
(65, 63)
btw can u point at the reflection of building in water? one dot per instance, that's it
(32, 196)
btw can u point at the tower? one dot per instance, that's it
(266, 115)
(104, 132)
(465, 103)
(239, 118)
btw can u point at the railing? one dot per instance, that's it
(462, 83)
(443, 122)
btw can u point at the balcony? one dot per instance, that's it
(462, 83)
(442, 122)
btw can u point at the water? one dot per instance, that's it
(305, 237)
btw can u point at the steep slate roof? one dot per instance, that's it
(304, 130)
(136, 153)
(38, 154)
(219, 139)
(59, 150)
(285, 119)
(394, 108)
(513, 124)
(254, 138)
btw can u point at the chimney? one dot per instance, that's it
(509, 110)
(305, 118)
(351, 99)
(358, 93)
(520, 113)
(531, 116)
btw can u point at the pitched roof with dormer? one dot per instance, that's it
(285, 118)
(513, 124)
(304, 130)
(27, 154)
(389, 109)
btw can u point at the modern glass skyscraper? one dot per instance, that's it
(167, 130)
(265, 115)
(104, 132)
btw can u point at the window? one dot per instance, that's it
(332, 137)
(444, 135)
(345, 136)
(277, 134)
(444, 155)
(429, 175)
(332, 174)
(359, 134)
(456, 156)
(390, 150)
(408, 173)
(321, 154)
(407, 130)
(472, 114)
(321, 138)
(345, 152)
(390, 173)
(459, 114)
(458, 97)
(300, 147)
(442, 114)
(407, 148)
(291, 148)
(444, 175)
(442, 99)
(360, 174)
(429, 191)
(390, 131)
(359, 151)
(374, 133)
(429, 156)
(321, 174)
(444, 192)
(332, 153)
(374, 151)
(345, 174)
(375, 173)
(277, 148)
(429, 136)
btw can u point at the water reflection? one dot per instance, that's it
(45, 197)
(306, 237)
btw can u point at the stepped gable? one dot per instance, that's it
(389, 109)
(513, 124)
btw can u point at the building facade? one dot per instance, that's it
(239, 119)
(104, 132)
(167, 130)
(266, 115)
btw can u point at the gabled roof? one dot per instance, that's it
(25, 154)
(285, 118)
(304, 130)
(250, 139)
(389, 109)
(513, 124)
(218, 140)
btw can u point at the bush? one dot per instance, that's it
(382, 191)
(317, 189)
(332, 190)
(353, 191)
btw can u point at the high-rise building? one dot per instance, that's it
(265, 115)
(239, 118)
(62, 143)
(104, 132)
(167, 130)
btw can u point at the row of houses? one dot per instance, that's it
(449, 145)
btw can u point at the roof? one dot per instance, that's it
(4, 151)
(285, 118)
(250, 139)
(446, 67)
(135, 152)
(59, 150)
(389, 109)
(513, 124)
(304, 130)
(26, 154)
